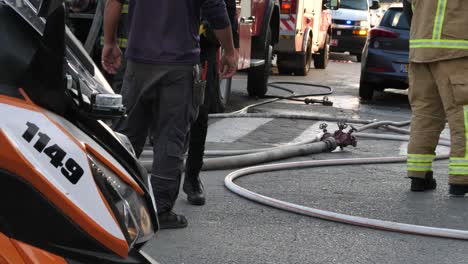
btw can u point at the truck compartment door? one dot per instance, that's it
(246, 22)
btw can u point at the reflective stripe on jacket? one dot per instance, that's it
(438, 30)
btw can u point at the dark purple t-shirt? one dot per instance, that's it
(167, 31)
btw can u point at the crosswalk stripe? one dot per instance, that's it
(309, 133)
(227, 131)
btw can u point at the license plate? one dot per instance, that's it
(334, 42)
(404, 68)
(338, 32)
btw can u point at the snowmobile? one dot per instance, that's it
(71, 189)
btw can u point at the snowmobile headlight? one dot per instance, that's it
(129, 207)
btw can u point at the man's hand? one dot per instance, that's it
(230, 56)
(111, 59)
(229, 64)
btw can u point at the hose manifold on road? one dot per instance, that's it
(314, 146)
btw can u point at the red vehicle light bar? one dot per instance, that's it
(288, 7)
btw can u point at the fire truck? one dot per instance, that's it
(305, 35)
(259, 28)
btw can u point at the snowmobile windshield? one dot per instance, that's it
(27, 9)
(78, 63)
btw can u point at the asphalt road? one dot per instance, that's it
(230, 229)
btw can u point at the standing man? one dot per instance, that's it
(438, 90)
(160, 89)
(193, 186)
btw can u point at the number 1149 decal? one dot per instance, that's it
(70, 169)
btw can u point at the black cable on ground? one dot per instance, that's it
(293, 97)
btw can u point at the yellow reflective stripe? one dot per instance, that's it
(441, 43)
(458, 171)
(121, 42)
(439, 19)
(432, 156)
(125, 9)
(465, 115)
(418, 162)
(457, 159)
(458, 163)
(426, 167)
(417, 169)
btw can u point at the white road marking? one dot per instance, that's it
(229, 130)
(310, 132)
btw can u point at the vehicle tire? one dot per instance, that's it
(366, 90)
(221, 95)
(321, 59)
(305, 59)
(257, 82)
(284, 70)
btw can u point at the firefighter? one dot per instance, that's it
(209, 45)
(438, 90)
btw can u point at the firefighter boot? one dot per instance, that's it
(458, 189)
(423, 184)
(193, 187)
(171, 220)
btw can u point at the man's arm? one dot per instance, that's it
(230, 56)
(111, 54)
(232, 13)
(215, 13)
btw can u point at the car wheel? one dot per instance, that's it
(305, 59)
(366, 90)
(221, 94)
(257, 82)
(321, 60)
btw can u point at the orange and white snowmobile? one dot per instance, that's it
(71, 190)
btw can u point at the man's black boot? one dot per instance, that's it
(423, 184)
(458, 189)
(193, 187)
(170, 220)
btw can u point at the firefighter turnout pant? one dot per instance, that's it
(438, 93)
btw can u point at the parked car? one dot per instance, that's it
(351, 24)
(385, 56)
(305, 33)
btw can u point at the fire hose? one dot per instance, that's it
(328, 143)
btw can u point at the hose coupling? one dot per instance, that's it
(342, 138)
(325, 101)
(331, 144)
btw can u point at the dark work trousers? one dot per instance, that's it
(116, 81)
(199, 129)
(160, 99)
